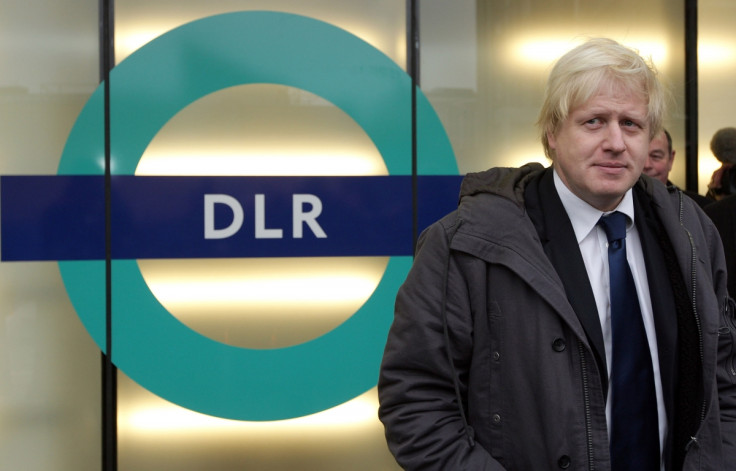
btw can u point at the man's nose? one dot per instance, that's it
(615, 139)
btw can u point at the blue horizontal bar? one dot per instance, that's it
(63, 217)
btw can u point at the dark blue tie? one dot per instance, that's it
(634, 427)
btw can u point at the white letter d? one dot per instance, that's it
(209, 216)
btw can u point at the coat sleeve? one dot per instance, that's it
(727, 380)
(424, 424)
(726, 370)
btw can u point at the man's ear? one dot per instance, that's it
(671, 162)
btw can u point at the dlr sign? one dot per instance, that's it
(300, 217)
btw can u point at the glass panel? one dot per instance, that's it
(49, 366)
(380, 23)
(155, 434)
(716, 69)
(484, 66)
(259, 304)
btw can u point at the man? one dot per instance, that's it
(723, 180)
(505, 353)
(661, 157)
(659, 164)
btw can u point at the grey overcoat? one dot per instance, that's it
(523, 390)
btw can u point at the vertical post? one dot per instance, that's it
(412, 59)
(691, 94)
(109, 371)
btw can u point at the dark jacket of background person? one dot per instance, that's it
(723, 214)
(526, 388)
(702, 201)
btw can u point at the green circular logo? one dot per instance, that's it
(146, 90)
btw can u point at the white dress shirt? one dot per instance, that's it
(593, 245)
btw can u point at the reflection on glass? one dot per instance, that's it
(264, 303)
(380, 23)
(539, 50)
(261, 129)
(155, 434)
(155, 417)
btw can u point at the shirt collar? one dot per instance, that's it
(583, 216)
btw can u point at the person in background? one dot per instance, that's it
(523, 339)
(723, 181)
(659, 164)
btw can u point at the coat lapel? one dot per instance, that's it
(555, 231)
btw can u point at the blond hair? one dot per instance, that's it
(582, 72)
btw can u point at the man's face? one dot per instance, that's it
(659, 163)
(602, 146)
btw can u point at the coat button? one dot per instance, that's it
(496, 356)
(564, 462)
(496, 418)
(558, 345)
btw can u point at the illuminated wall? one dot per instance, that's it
(482, 66)
(716, 66)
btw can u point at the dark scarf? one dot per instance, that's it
(688, 391)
